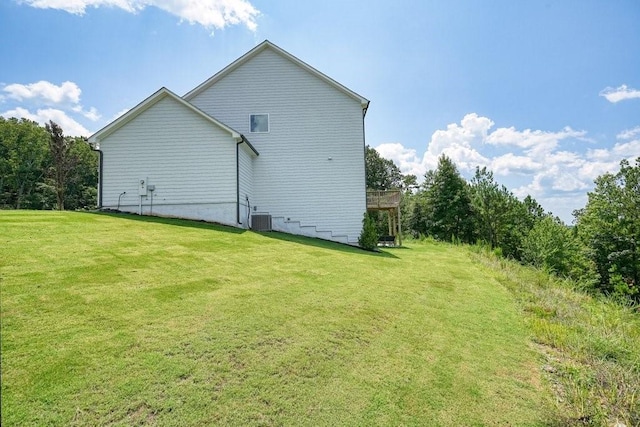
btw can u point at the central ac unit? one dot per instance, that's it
(261, 222)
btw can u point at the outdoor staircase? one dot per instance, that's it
(285, 225)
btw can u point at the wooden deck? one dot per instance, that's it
(383, 199)
(387, 200)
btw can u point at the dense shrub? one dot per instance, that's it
(369, 236)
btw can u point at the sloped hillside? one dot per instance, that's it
(121, 320)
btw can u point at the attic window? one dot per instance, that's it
(259, 123)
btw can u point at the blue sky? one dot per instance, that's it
(544, 93)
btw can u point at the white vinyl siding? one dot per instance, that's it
(245, 173)
(310, 122)
(189, 160)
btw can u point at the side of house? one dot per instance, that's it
(165, 158)
(267, 135)
(309, 131)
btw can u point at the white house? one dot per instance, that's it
(269, 140)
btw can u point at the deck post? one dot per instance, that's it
(393, 222)
(399, 228)
(388, 201)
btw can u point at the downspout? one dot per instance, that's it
(364, 156)
(120, 197)
(364, 152)
(238, 182)
(248, 211)
(100, 155)
(238, 219)
(151, 190)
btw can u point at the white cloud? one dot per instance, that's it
(465, 158)
(51, 102)
(535, 165)
(67, 95)
(563, 205)
(510, 163)
(590, 170)
(18, 113)
(629, 133)
(627, 150)
(42, 116)
(472, 129)
(564, 180)
(600, 161)
(405, 158)
(209, 13)
(92, 114)
(45, 92)
(597, 154)
(567, 159)
(537, 141)
(535, 188)
(620, 93)
(456, 142)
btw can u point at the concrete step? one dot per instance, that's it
(287, 225)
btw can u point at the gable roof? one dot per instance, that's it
(152, 100)
(364, 102)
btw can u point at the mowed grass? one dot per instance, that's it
(121, 320)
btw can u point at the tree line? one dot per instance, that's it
(600, 250)
(41, 168)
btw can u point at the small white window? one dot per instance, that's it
(259, 123)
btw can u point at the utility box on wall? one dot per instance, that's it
(142, 187)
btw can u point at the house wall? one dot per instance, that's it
(311, 163)
(245, 173)
(190, 160)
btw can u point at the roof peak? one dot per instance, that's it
(259, 48)
(146, 104)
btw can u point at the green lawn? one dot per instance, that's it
(121, 320)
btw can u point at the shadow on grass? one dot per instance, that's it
(191, 223)
(324, 244)
(394, 248)
(302, 240)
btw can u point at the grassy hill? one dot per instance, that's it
(122, 320)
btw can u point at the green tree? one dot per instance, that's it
(23, 160)
(501, 220)
(381, 173)
(515, 228)
(38, 164)
(534, 211)
(409, 185)
(443, 208)
(609, 227)
(62, 160)
(81, 187)
(490, 206)
(551, 245)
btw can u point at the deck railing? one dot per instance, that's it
(383, 199)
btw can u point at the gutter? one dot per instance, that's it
(96, 148)
(238, 180)
(241, 139)
(364, 153)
